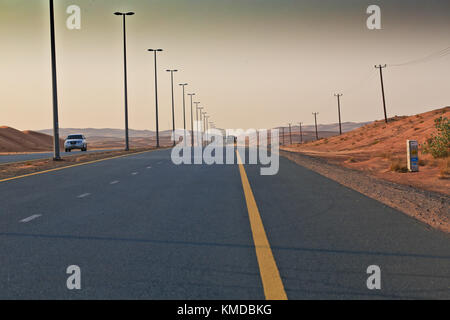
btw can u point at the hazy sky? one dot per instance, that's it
(252, 63)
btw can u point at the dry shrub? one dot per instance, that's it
(398, 165)
(444, 166)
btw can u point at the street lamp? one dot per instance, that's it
(192, 120)
(173, 104)
(184, 111)
(56, 152)
(206, 128)
(196, 114)
(204, 124)
(124, 14)
(198, 123)
(156, 95)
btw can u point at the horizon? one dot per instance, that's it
(252, 65)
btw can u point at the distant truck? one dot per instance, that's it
(75, 141)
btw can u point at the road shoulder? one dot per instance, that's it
(428, 207)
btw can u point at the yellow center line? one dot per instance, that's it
(71, 166)
(270, 276)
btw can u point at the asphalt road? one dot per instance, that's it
(140, 227)
(19, 157)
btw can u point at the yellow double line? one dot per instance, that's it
(72, 166)
(270, 276)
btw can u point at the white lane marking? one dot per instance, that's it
(149, 167)
(134, 173)
(35, 216)
(84, 195)
(114, 182)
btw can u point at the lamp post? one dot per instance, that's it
(184, 111)
(198, 122)
(196, 114)
(56, 151)
(206, 129)
(124, 14)
(173, 103)
(156, 95)
(192, 120)
(204, 125)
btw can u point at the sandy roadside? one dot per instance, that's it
(18, 169)
(428, 207)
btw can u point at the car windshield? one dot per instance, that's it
(75, 136)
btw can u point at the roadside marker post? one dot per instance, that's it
(412, 147)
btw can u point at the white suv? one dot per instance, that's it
(75, 141)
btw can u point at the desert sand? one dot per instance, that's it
(380, 149)
(13, 140)
(16, 141)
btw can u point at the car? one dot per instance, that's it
(75, 141)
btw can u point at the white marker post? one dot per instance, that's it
(412, 147)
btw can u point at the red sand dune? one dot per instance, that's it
(377, 147)
(13, 140)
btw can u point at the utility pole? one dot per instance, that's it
(339, 95)
(173, 104)
(192, 120)
(127, 144)
(301, 133)
(282, 135)
(56, 152)
(156, 95)
(290, 134)
(382, 90)
(315, 120)
(184, 111)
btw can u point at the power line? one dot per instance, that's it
(430, 57)
(360, 83)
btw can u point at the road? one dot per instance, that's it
(140, 227)
(20, 157)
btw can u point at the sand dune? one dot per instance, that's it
(13, 140)
(379, 148)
